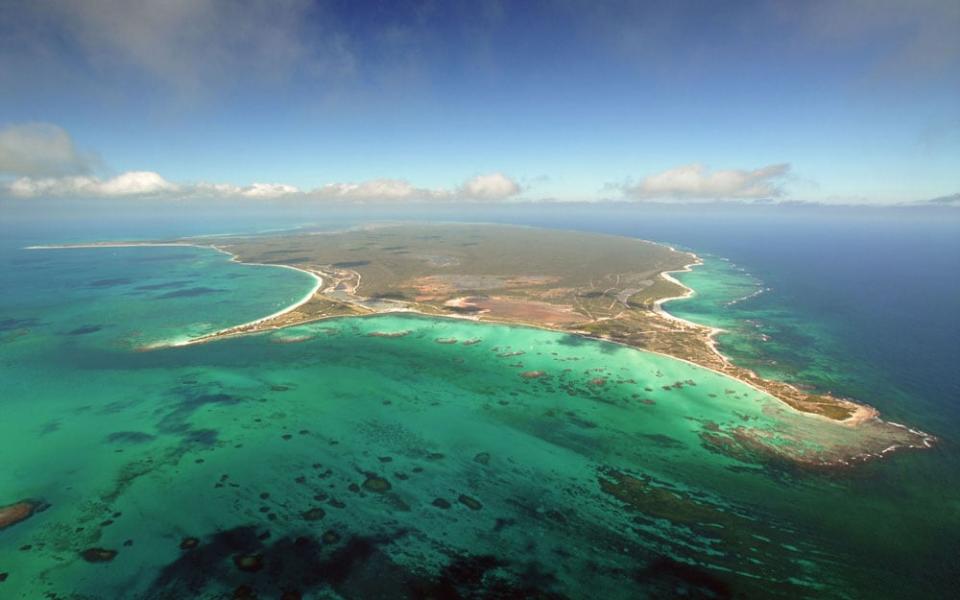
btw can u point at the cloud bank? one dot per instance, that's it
(132, 183)
(696, 182)
(39, 160)
(379, 190)
(492, 187)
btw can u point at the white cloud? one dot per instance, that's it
(696, 182)
(146, 183)
(132, 183)
(136, 183)
(255, 190)
(40, 150)
(269, 190)
(377, 190)
(493, 186)
(44, 162)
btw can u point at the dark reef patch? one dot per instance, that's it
(376, 484)
(107, 283)
(177, 420)
(187, 575)
(663, 441)
(165, 257)
(330, 537)
(117, 406)
(85, 330)
(471, 503)
(240, 559)
(98, 555)
(573, 340)
(190, 293)
(250, 563)
(129, 437)
(679, 580)
(14, 324)
(739, 444)
(314, 514)
(162, 286)
(201, 437)
(50, 426)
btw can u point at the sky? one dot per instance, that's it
(824, 101)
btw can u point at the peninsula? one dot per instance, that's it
(599, 286)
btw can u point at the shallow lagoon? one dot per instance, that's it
(336, 461)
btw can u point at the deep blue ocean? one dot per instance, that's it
(884, 289)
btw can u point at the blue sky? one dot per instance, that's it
(846, 101)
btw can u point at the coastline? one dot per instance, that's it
(863, 413)
(688, 293)
(859, 414)
(318, 284)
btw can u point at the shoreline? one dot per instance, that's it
(688, 293)
(861, 414)
(864, 412)
(318, 284)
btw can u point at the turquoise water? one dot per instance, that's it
(136, 296)
(763, 339)
(347, 463)
(911, 497)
